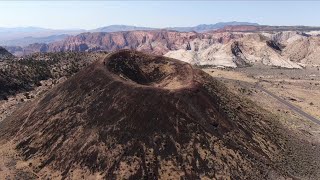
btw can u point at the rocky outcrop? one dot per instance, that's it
(275, 45)
(242, 49)
(239, 58)
(157, 42)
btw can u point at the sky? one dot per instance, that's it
(158, 14)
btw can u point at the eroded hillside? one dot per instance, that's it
(289, 49)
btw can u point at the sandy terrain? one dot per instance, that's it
(298, 87)
(230, 74)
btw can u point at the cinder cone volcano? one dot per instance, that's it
(133, 115)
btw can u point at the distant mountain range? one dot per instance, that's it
(31, 40)
(208, 27)
(7, 34)
(198, 28)
(20, 36)
(117, 28)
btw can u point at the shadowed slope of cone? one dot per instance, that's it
(134, 115)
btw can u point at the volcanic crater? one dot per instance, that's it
(134, 116)
(152, 71)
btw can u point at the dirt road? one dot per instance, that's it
(292, 107)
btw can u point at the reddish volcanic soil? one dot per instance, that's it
(133, 115)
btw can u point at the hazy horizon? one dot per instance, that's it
(159, 14)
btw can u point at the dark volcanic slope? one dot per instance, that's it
(135, 115)
(4, 54)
